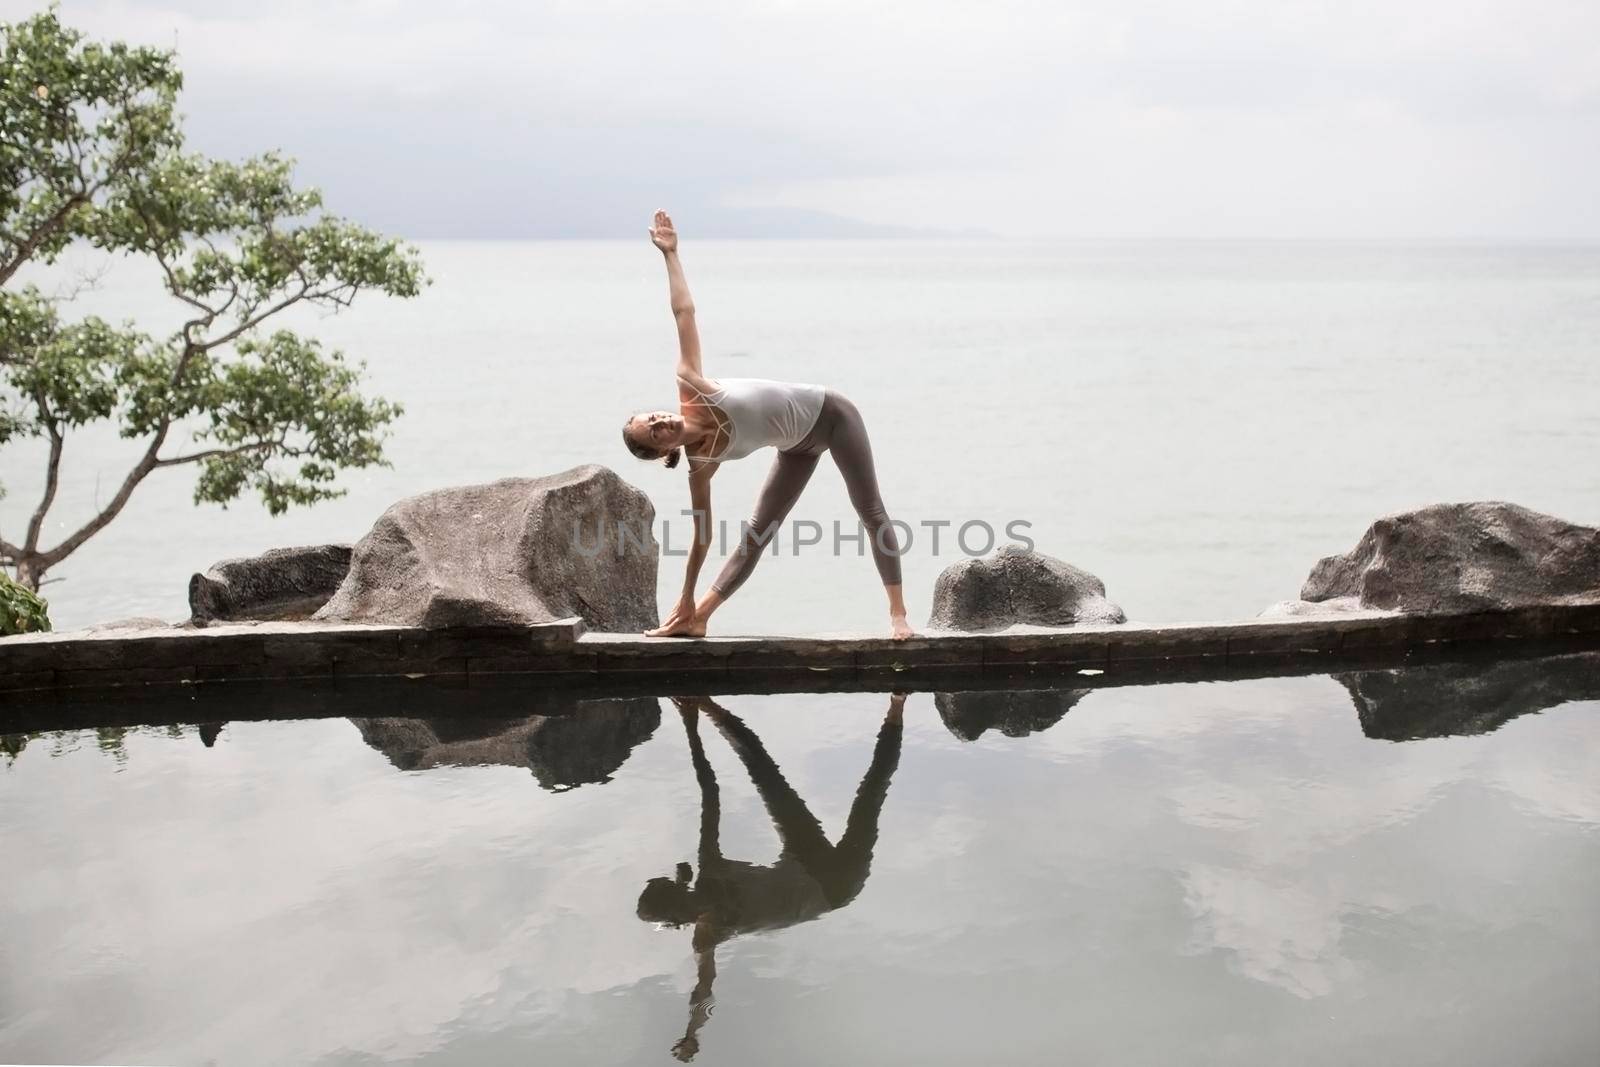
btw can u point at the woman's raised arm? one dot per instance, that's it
(664, 237)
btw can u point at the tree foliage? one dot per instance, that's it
(91, 151)
(21, 610)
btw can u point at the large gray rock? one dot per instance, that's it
(587, 744)
(516, 551)
(1464, 557)
(1453, 699)
(1015, 713)
(1018, 585)
(285, 583)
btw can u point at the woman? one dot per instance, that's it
(729, 418)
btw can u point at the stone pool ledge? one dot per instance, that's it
(39, 667)
(114, 656)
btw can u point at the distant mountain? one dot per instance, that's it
(711, 222)
(801, 223)
(433, 195)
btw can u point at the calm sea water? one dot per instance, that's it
(1195, 423)
(1382, 867)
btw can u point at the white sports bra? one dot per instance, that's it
(762, 412)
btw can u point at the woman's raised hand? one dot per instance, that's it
(662, 235)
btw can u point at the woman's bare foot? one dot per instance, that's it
(684, 621)
(899, 629)
(694, 626)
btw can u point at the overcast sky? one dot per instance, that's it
(1106, 118)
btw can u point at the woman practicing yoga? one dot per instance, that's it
(729, 418)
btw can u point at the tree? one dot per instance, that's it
(91, 151)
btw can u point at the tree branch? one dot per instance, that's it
(44, 560)
(213, 453)
(208, 313)
(52, 477)
(252, 322)
(31, 243)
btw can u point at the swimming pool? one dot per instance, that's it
(1392, 865)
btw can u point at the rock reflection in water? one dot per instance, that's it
(811, 876)
(586, 745)
(1452, 699)
(1015, 713)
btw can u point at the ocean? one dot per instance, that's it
(1390, 866)
(1195, 423)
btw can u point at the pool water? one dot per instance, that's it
(1380, 866)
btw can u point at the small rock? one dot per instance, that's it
(283, 584)
(1018, 585)
(1343, 605)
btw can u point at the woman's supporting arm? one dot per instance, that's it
(683, 612)
(700, 501)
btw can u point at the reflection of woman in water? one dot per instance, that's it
(812, 876)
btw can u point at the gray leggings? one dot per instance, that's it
(838, 430)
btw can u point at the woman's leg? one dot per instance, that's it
(852, 451)
(789, 474)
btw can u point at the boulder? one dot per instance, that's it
(1015, 713)
(1463, 558)
(1455, 699)
(1018, 585)
(285, 583)
(587, 744)
(513, 552)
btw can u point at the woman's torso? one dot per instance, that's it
(763, 412)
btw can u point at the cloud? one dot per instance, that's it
(1248, 117)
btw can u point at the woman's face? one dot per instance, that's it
(661, 430)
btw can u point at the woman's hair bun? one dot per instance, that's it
(672, 458)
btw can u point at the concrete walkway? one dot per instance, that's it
(39, 670)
